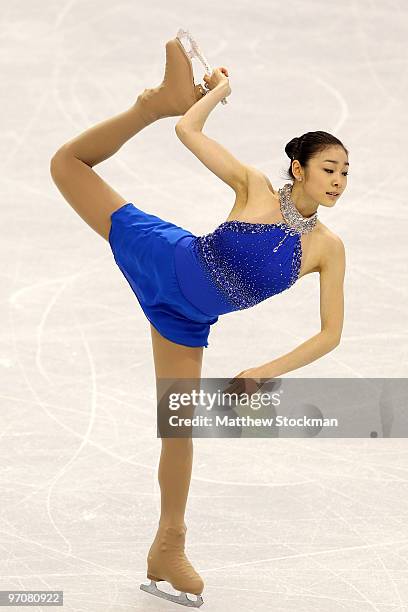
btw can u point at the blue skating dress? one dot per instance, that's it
(184, 282)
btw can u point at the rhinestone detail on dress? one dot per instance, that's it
(248, 272)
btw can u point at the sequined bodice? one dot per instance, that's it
(246, 263)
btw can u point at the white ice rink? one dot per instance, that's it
(282, 525)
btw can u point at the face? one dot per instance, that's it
(326, 172)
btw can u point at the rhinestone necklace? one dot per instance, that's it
(291, 215)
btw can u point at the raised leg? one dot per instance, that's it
(71, 166)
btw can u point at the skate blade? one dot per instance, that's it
(181, 599)
(195, 51)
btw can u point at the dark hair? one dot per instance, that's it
(307, 146)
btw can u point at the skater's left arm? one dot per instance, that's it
(197, 114)
(212, 154)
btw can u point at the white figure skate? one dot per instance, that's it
(195, 51)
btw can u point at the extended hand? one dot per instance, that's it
(248, 381)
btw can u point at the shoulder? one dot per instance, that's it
(332, 250)
(332, 240)
(256, 176)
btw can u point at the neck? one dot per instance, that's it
(305, 205)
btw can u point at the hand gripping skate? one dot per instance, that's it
(195, 51)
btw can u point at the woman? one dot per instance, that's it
(184, 282)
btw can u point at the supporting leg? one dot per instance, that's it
(167, 559)
(176, 461)
(175, 361)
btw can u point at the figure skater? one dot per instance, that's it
(184, 282)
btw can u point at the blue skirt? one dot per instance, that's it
(143, 248)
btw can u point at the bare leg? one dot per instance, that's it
(104, 139)
(71, 168)
(176, 461)
(175, 361)
(166, 559)
(72, 165)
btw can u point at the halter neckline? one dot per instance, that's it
(292, 218)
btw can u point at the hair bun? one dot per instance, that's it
(291, 147)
